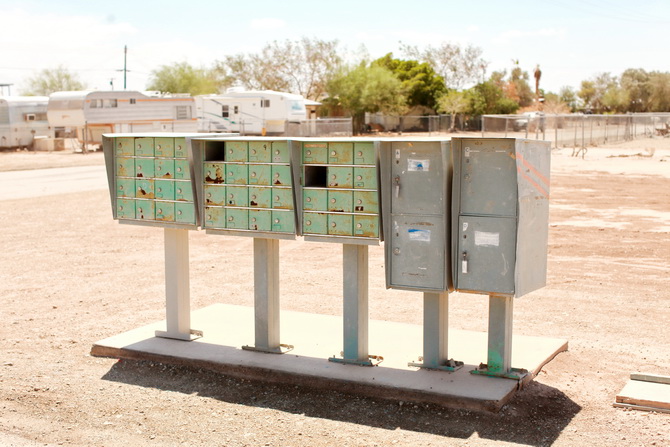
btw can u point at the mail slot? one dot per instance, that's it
(236, 151)
(164, 189)
(315, 153)
(260, 174)
(144, 147)
(124, 146)
(260, 197)
(260, 220)
(340, 153)
(315, 223)
(283, 221)
(237, 196)
(315, 199)
(164, 147)
(282, 198)
(144, 188)
(164, 168)
(165, 211)
(237, 219)
(125, 167)
(215, 217)
(145, 209)
(340, 177)
(237, 174)
(364, 153)
(183, 191)
(184, 213)
(125, 187)
(365, 178)
(260, 151)
(215, 195)
(125, 208)
(340, 201)
(181, 170)
(214, 172)
(144, 167)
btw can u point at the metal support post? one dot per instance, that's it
(266, 297)
(436, 334)
(355, 315)
(499, 363)
(177, 287)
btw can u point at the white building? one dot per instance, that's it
(22, 118)
(86, 115)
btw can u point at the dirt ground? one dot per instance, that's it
(71, 276)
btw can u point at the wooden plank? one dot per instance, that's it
(656, 378)
(640, 408)
(649, 394)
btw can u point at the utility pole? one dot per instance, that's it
(125, 66)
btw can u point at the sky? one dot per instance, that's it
(571, 40)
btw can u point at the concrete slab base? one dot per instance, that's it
(226, 328)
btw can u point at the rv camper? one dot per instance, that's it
(86, 115)
(249, 112)
(22, 118)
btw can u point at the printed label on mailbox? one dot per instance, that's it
(418, 235)
(486, 239)
(418, 165)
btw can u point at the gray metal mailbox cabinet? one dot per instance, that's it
(416, 180)
(500, 215)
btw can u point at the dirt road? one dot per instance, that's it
(71, 276)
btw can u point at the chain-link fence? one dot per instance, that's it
(577, 130)
(325, 127)
(413, 123)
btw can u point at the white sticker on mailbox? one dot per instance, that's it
(418, 165)
(419, 235)
(487, 239)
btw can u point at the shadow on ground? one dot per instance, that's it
(535, 417)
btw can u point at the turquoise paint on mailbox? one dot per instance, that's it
(260, 151)
(215, 195)
(260, 220)
(237, 174)
(341, 153)
(283, 221)
(144, 147)
(164, 147)
(125, 187)
(236, 151)
(364, 153)
(125, 167)
(340, 224)
(237, 196)
(164, 168)
(215, 217)
(144, 167)
(340, 201)
(260, 197)
(282, 198)
(124, 146)
(180, 149)
(281, 175)
(144, 188)
(183, 191)
(184, 213)
(237, 219)
(365, 178)
(340, 177)
(165, 211)
(315, 199)
(164, 189)
(260, 174)
(366, 202)
(280, 152)
(145, 209)
(315, 153)
(125, 208)
(214, 172)
(181, 170)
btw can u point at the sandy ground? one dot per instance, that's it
(71, 276)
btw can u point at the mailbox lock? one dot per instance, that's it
(277, 152)
(277, 175)
(464, 262)
(179, 147)
(179, 212)
(158, 146)
(359, 225)
(276, 221)
(308, 153)
(179, 169)
(396, 251)
(396, 180)
(360, 153)
(179, 191)
(253, 152)
(308, 199)
(359, 177)
(230, 151)
(333, 176)
(333, 224)
(253, 174)
(333, 153)
(253, 197)
(276, 198)
(332, 200)
(359, 202)
(160, 189)
(209, 194)
(230, 219)
(253, 219)
(308, 222)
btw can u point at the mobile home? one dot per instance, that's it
(249, 112)
(22, 118)
(86, 115)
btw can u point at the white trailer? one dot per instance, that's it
(249, 112)
(86, 115)
(22, 118)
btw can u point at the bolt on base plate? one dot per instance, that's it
(281, 349)
(373, 360)
(450, 365)
(512, 373)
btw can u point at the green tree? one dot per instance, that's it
(302, 66)
(488, 98)
(636, 82)
(421, 84)
(458, 65)
(184, 78)
(659, 100)
(453, 103)
(568, 96)
(48, 81)
(592, 91)
(366, 88)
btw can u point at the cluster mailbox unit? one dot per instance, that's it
(466, 214)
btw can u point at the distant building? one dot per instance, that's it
(22, 118)
(86, 115)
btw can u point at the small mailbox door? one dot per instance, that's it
(417, 178)
(487, 254)
(417, 247)
(488, 178)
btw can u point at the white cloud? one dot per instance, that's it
(267, 23)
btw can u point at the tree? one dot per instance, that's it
(422, 85)
(303, 66)
(659, 100)
(47, 81)
(593, 91)
(568, 96)
(637, 85)
(488, 98)
(366, 88)
(184, 78)
(453, 103)
(458, 66)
